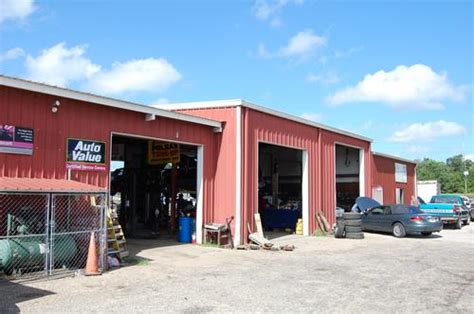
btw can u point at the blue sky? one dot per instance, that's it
(400, 72)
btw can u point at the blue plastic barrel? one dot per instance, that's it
(185, 232)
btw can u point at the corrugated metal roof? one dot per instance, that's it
(394, 157)
(46, 185)
(106, 101)
(244, 103)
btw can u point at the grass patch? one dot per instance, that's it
(319, 233)
(136, 260)
(210, 245)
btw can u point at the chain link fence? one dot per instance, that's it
(49, 234)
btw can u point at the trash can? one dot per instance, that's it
(185, 232)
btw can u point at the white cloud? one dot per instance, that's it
(262, 51)
(265, 10)
(60, 65)
(12, 54)
(312, 116)
(418, 149)
(303, 43)
(160, 101)
(15, 9)
(469, 156)
(406, 87)
(151, 75)
(418, 132)
(325, 79)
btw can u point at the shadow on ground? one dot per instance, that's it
(409, 236)
(12, 293)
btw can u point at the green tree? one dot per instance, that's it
(450, 174)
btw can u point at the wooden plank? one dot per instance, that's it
(258, 223)
(324, 221)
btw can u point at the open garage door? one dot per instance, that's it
(153, 183)
(281, 196)
(349, 176)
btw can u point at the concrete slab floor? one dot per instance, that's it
(378, 274)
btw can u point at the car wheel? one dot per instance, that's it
(427, 233)
(398, 230)
(355, 235)
(458, 224)
(339, 231)
(468, 221)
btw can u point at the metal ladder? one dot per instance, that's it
(116, 243)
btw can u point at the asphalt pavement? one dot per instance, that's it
(378, 274)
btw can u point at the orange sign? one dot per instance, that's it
(162, 153)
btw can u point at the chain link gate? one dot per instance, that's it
(74, 217)
(49, 234)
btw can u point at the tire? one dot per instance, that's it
(458, 224)
(352, 229)
(353, 222)
(355, 235)
(426, 234)
(339, 231)
(351, 216)
(467, 222)
(398, 230)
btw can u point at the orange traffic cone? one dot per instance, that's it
(91, 266)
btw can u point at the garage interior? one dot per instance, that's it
(150, 194)
(280, 187)
(347, 176)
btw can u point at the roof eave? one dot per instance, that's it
(106, 101)
(394, 157)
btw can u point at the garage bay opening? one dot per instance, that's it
(348, 178)
(280, 179)
(153, 184)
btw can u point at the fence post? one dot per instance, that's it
(51, 233)
(47, 234)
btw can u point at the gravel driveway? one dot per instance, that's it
(323, 274)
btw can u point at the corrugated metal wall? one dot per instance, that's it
(225, 159)
(261, 127)
(320, 145)
(384, 175)
(328, 159)
(89, 121)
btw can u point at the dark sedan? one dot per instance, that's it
(400, 220)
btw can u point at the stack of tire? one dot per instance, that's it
(349, 226)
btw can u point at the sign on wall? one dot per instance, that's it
(16, 140)
(86, 155)
(400, 173)
(163, 153)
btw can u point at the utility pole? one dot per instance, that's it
(466, 173)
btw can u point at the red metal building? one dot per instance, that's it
(85, 116)
(245, 126)
(229, 136)
(394, 179)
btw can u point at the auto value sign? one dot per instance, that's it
(86, 155)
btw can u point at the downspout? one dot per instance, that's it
(238, 175)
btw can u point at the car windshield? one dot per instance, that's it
(446, 199)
